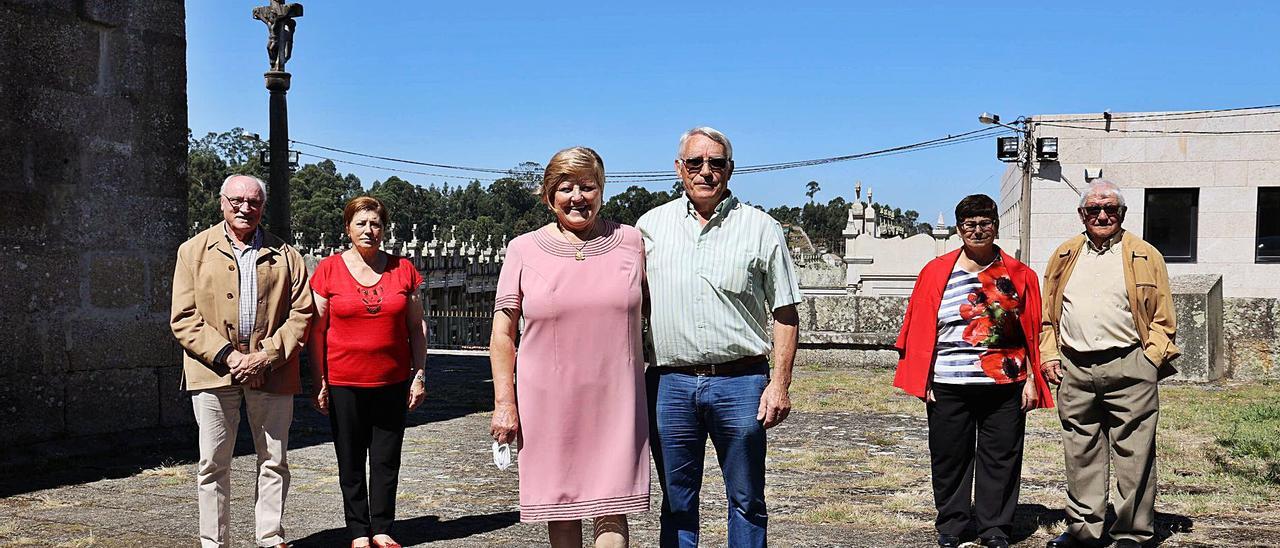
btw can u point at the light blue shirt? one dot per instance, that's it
(713, 288)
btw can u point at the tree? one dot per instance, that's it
(627, 206)
(210, 160)
(317, 193)
(787, 215)
(814, 188)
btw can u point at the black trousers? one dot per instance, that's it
(986, 422)
(368, 424)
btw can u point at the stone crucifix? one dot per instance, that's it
(280, 25)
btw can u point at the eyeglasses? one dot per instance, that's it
(695, 164)
(237, 202)
(1093, 211)
(970, 226)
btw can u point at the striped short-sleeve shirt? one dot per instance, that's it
(713, 287)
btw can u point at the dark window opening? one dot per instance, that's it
(1267, 247)
(1170, 222)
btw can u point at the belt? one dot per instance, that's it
(1093, 357)
(739, 366)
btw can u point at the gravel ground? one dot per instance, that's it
(837, 477)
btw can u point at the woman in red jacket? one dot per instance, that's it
(368, 348)
(968, 348)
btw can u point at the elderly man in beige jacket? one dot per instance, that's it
(240, 310)
(1107, 336)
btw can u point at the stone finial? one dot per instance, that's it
(942, 221)
(393, 233)
(857, 190)
(414, 231)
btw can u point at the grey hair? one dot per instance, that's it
(710, 133)
(261, 184)
(1102, 188)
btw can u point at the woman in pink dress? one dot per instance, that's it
(573, 393)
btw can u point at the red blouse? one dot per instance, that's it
(919, 335)
(367, 343)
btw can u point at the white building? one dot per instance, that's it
(1203, 186)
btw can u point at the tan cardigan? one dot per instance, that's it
(206, 309)
(1147, 281)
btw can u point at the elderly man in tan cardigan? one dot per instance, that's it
(1107, 337)
(240, 310)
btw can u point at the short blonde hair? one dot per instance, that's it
(571, 164)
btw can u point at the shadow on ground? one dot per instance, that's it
(456, 386)
(421, 530)
(1030, 517)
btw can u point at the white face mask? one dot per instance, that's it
(502, 455)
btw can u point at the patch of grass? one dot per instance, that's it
(1252, 442)
(859, 516)
(822, 459)
(82, 542)
(169, 473)
(866, 391)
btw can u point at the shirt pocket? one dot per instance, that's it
(732, 274)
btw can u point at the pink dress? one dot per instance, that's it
(579, 374)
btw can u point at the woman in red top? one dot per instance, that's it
(969, 349)
(368, 345)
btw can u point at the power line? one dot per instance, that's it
(1166, 132)
(1178, 115)
(394, 169)
(667, 176)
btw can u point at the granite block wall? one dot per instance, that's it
(93, 120)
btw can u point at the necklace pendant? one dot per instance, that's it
(579, 256)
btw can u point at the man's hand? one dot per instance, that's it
(1052, 371)
(775, 405)
(247, 365)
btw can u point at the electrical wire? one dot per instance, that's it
(1165, 132)
(1180, 115)
(664, 175)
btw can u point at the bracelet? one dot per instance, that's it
(420, 374)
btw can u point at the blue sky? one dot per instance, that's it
(493, 84)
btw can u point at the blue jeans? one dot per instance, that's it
(684, 409)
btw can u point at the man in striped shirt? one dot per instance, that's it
(716, 271)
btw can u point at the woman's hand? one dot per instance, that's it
(928, 395)
(417, 390)
(320, 398)
(505, 425)
(1029, 396)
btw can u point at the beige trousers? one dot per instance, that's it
(217, 413)
(1109, 406)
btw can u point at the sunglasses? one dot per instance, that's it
(695, 164)
(1094, 211)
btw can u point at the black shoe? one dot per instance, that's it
(948, 541)
(1127, 543)
(994, 542)
(1065, 540)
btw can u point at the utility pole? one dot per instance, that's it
(1024, 204)
(1026, 158)
(279, 18)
